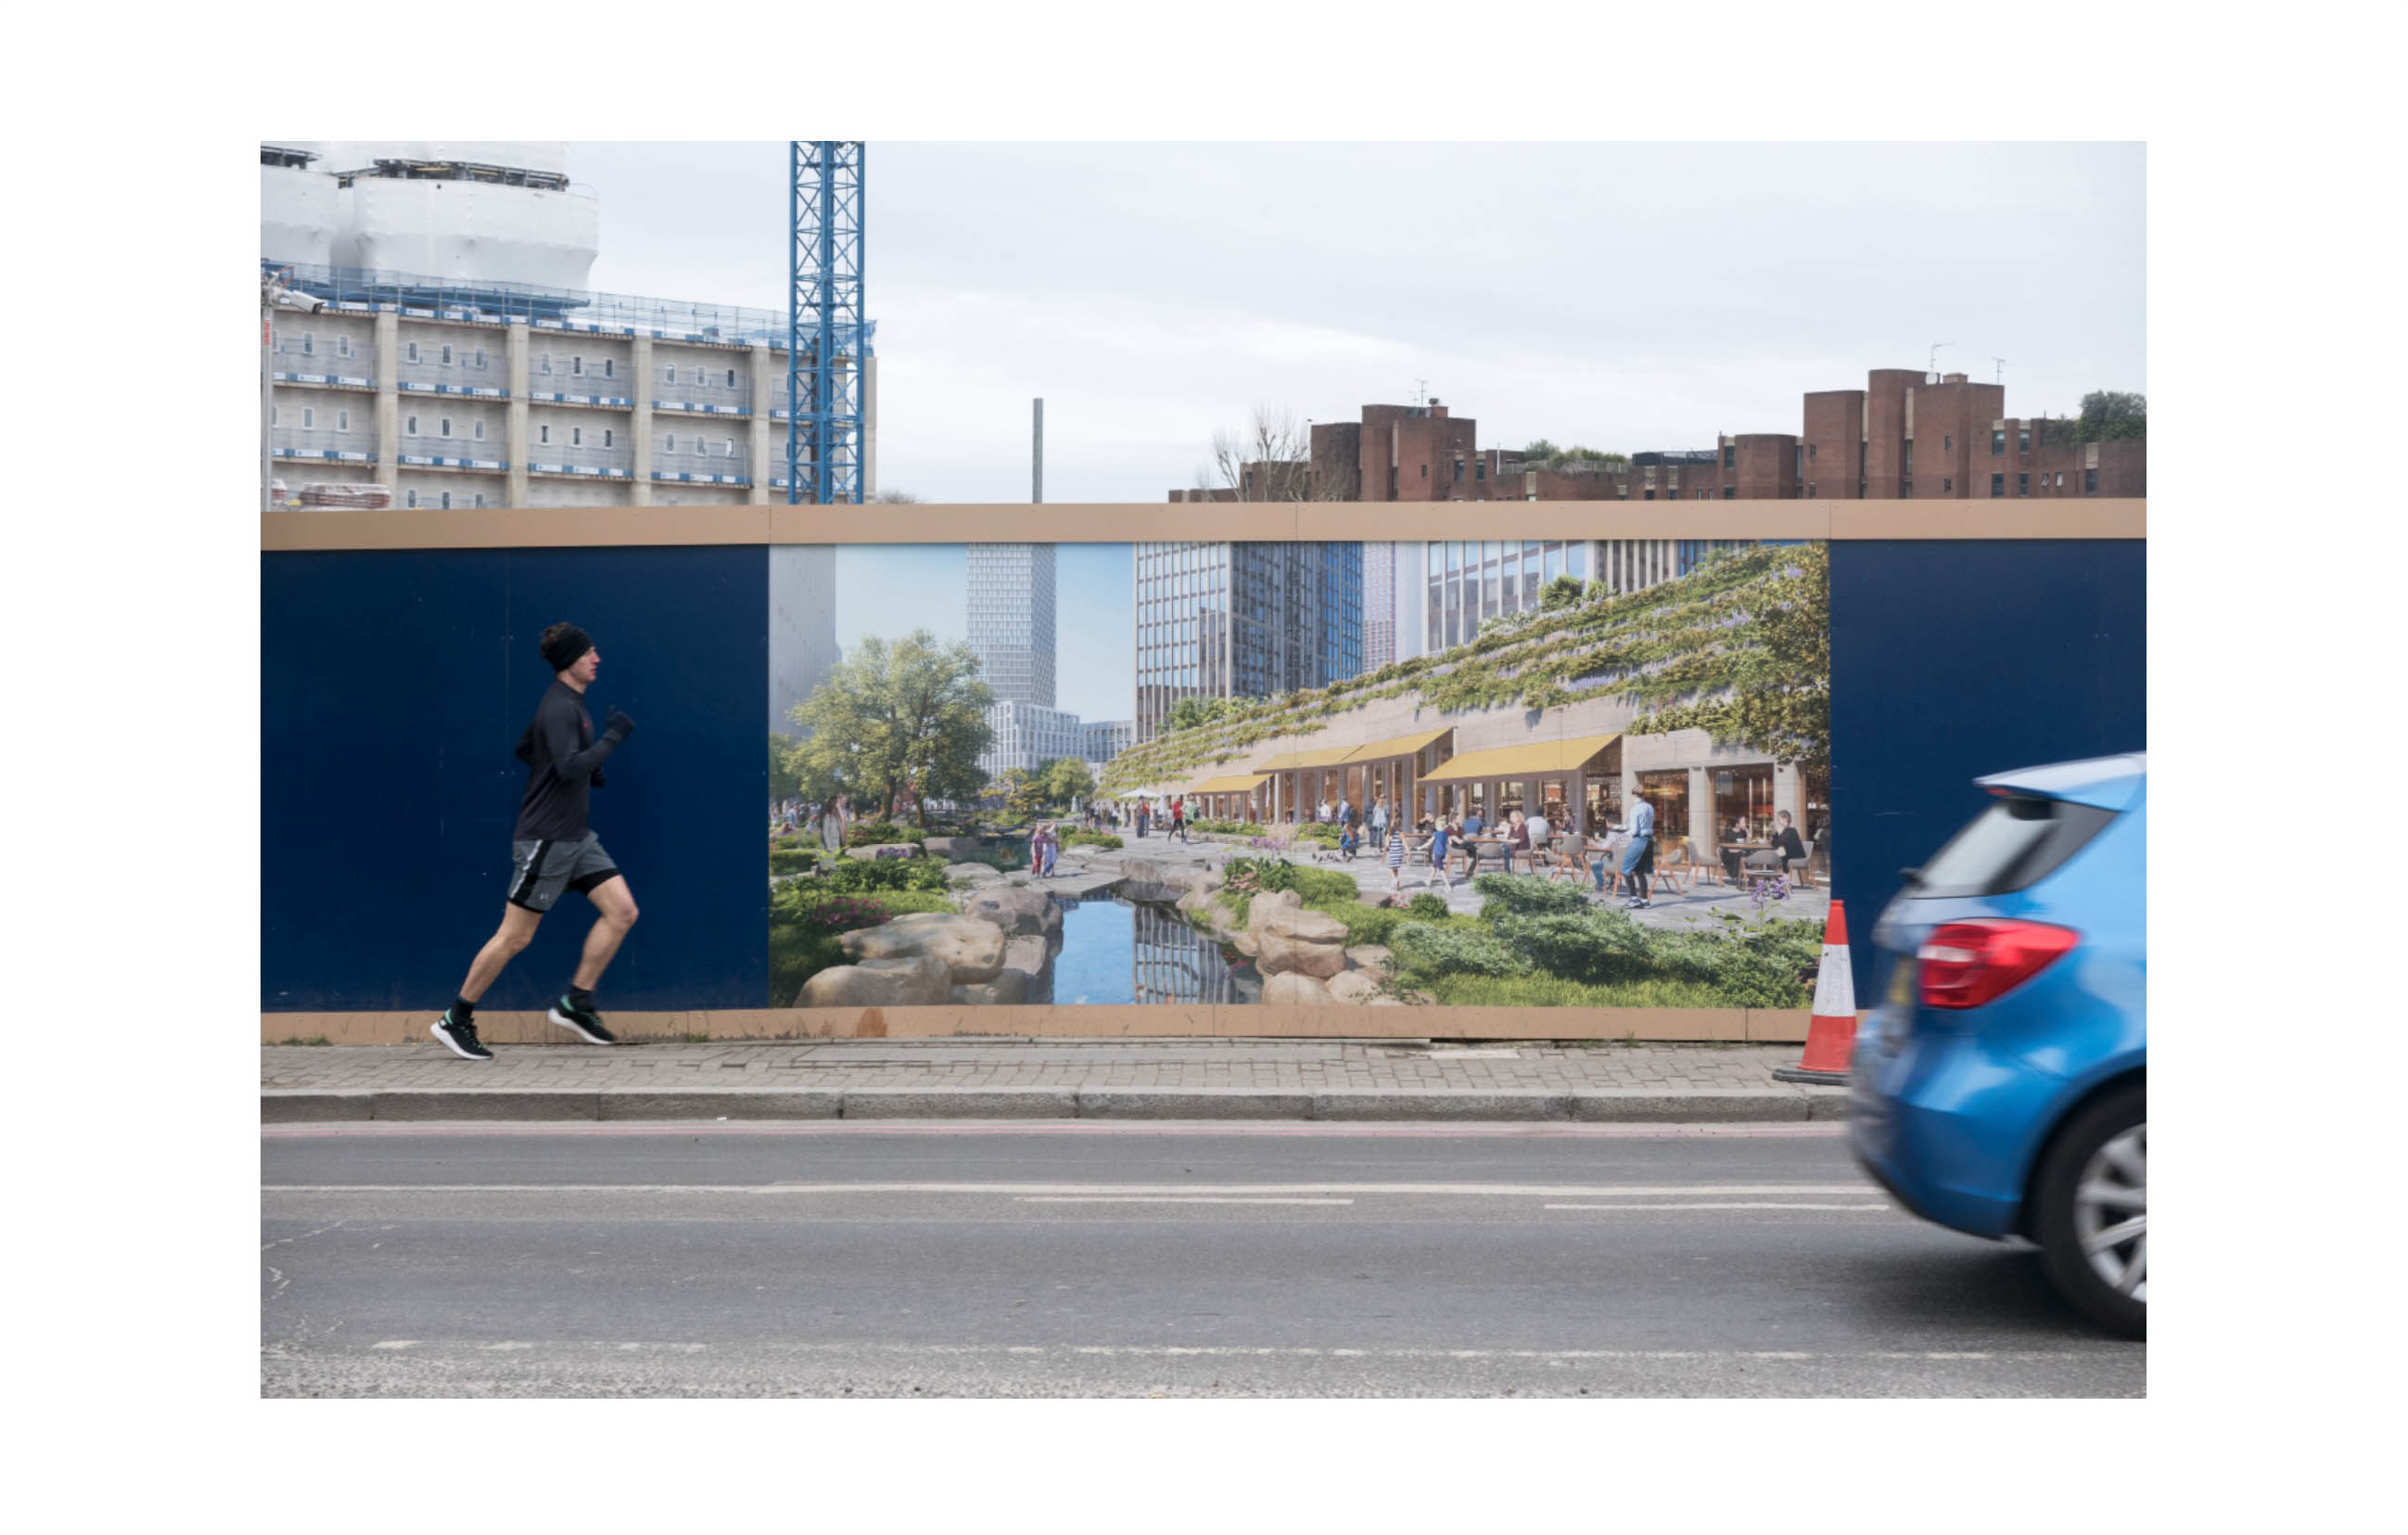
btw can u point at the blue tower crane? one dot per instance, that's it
(826, 342)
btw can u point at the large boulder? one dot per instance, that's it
(1031, 955)
(973, 874)
(1290, 938)
(1376, 957)
(1016, 910)
(1161, 881)
(1008, 989)
(884, 850)
(952, 847)
(1292, 990)
(1354, 987)
(922, 981)
(971, 949)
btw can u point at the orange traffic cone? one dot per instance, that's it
(1831, 1033)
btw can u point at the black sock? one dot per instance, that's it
(581, 998)
(463, 1010)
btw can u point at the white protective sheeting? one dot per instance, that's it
(470, 231)
(298, 215)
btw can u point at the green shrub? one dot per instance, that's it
(1429, 905)
(1230, 828)
(1528, 895)
(1749, 965)
(860, 876)
(1366, 922)
(863, 833)
(1319, 831)
(1426, 950)
(1312, 886)
(1597, 947)
(1091, 840)
(792, 860)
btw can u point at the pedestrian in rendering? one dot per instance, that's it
(1639, 858)
(1378, 819)
(1179, 818)
(1395, 856)
(553, 850)
(1469, 838)
(1517, 839)
(1438, 855)
(1142, 818)
(1786, 842)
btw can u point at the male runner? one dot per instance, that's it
(555, 851)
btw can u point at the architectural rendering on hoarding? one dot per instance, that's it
(1602, 780)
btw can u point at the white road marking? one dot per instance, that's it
(1517, 1191)
(1175, 1350)
(1769, 1205)
(1158, 1199)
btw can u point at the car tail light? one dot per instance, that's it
(1967, 964)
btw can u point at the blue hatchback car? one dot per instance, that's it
(2000, 1086)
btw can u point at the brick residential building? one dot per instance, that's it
(1906, 434)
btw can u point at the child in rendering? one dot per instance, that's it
(1396, 857)
(1438, 855)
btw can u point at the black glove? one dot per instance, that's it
(619, 725)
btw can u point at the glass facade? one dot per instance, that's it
(1243, 620)
(1011, 621)
(1470, 583)
(1744, 804)
(1669, 794)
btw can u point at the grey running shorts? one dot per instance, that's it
(539, 871)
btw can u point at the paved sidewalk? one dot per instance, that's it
(1042, 1078)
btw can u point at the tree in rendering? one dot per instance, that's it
(892, 714)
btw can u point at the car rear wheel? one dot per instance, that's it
(2093, 1218)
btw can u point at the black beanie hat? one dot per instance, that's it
(562, 650)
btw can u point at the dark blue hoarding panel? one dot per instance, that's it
(1952, 659)
(394, 686)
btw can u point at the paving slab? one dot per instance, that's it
(1043, 1078)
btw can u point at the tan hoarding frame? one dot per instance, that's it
(542, 527)
(557, 527)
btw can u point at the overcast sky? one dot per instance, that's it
(1624, 297)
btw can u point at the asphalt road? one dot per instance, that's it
(883, 1260)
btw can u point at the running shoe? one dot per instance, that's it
(461, 1038)
(584, 1022)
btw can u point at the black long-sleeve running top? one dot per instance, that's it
(563, 760)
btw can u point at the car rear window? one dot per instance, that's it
(2015, 843)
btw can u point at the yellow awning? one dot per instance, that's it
(1287, 761)
(1524, 761)
(1397, 746)
(1237, 784)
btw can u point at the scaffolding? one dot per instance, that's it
(358, 289)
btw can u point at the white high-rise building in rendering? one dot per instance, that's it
(1011, 621)
(1029, 736)
(1379, 605)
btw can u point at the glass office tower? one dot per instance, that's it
(1243, 620)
